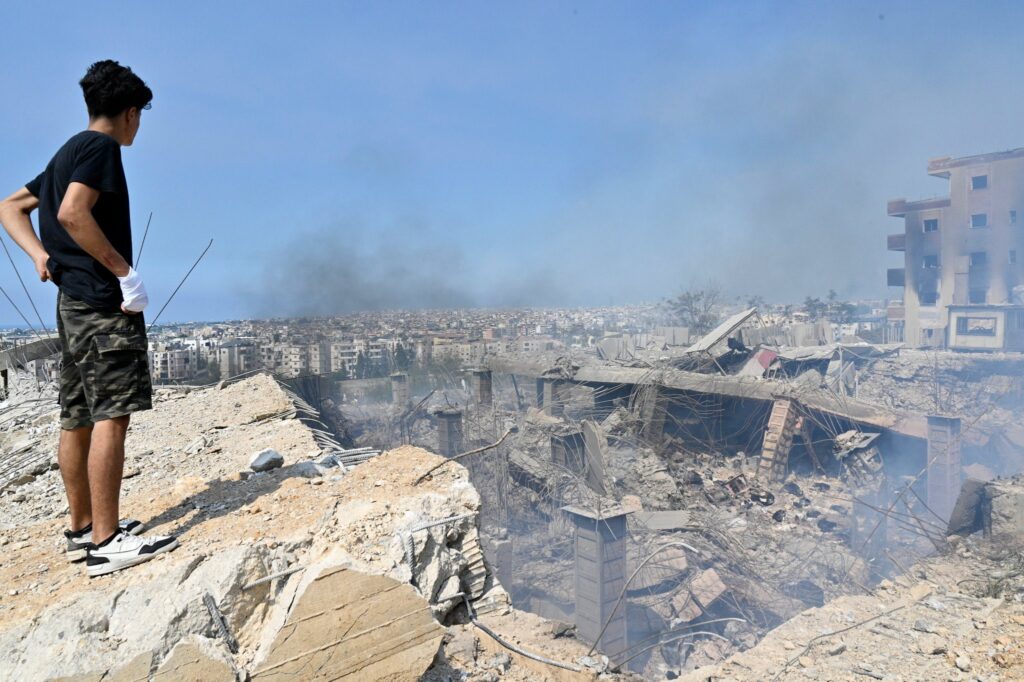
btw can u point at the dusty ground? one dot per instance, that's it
(955, 617)
(188, 475)
(190, 495)
(471, 655)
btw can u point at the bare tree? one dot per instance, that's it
(696, 307)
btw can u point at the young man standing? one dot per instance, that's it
(85, 248)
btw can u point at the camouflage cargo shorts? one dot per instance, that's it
(104, 371)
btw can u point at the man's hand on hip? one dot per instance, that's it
(134, 293)
(41, 269)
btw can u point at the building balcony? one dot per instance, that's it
(896, 277)
(897, 208)
(897, 242)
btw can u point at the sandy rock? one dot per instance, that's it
(931, 645)
(463, 647)
(196, 659)
(197, 445)
(137, 670)
(837, 649)
(306, 470)
(266, 460)
(348, 625)
(158, 610)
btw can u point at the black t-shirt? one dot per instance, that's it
(93, 159)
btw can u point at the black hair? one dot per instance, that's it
(110, 88)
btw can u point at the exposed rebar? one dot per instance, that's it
(477, 451)
(138, 256)
(179, 285)
(512, 647)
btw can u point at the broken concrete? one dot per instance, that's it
(351, 626)
(196, 659)
(890, 632)
(995, 508)
(265, 460)
(248, 543)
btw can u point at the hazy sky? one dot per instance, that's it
(365, 155)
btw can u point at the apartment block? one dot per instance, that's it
(172, 365)
(295, 360)
(962, 281)
(466, 352)
(235, 357)
(342, 356)
(320, 358)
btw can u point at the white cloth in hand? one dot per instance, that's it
(133, 291)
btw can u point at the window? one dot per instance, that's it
(1015, 319)
(976, 295)
(979, 182)
(1013, 256)
(928, 297)
(979, 259)
(976, 326)
(1013, 217)
(931, 262)
(931, 225)
(979, 220)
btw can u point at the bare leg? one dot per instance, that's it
(73, 457)
(106, 465)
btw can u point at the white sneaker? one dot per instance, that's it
(79, 542)
(122, 550)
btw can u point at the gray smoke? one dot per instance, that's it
(354, 266)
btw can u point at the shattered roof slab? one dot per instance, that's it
(904, 423)
(722, 331)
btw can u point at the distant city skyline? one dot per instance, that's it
(385, 156)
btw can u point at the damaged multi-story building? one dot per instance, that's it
(963, 277)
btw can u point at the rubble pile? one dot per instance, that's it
(755, 555)
(201, 433)
(28, 435)
(931, 381)
(985, 389)
(954, 616)
(262, 554)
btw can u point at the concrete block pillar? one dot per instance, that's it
(943, 474)
(482, 387)
(400, 389)
(652, 410)
(554, 397)
(599, 541)
(449, 432)
(569, 450)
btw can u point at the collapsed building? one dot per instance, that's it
(674, 507)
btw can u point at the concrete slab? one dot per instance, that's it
(189, 663)
(349, 625)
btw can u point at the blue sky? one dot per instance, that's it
(366, 155)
